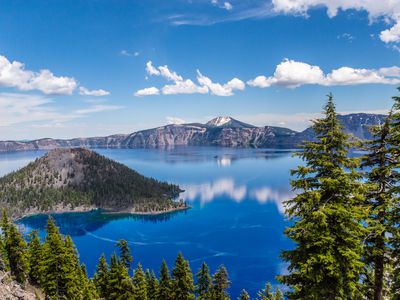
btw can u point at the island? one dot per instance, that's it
(78, 180)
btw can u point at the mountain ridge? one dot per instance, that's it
(220, 131)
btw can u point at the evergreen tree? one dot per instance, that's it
(35, 255)
(244, 295)
(381, 180)
(266, 293)
(139, 284)
(15, 247)
(165, 291)
(101, 276)
(125, 254)
(182, 279)
(327, 214)
(152, 285)
(204, 282)
(71, 271)
(119, 283)
(221, 284)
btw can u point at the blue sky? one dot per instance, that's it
(84, 68)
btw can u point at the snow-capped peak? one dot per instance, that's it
(219, 121)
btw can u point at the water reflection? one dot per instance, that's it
(210, 191)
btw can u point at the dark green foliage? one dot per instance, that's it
(125, 254)
(165, 291)
(15, 247)
(119, 283)
(204, 282)
(101, 277)
(267, 294)
(327, 214)
(35, 254)
(182, 279)
(152, 285)
(221, 284)
(139, 284)
(80, 177)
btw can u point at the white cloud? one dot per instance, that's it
(127, 53)
(184, 87)
(96, 93)
(219, 89)
(187, 86)
(389, 10)
(147, 92)
(292, 74)
(13, 74)
(228, 6)
(98, 108)
(175, 120)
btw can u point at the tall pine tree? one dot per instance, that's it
(183, 279)
(327, 214)
(204, 282)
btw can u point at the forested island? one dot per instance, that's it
(79, 179)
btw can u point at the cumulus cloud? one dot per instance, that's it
(175, 120)
(96, 93)
(292, 74)
(13, 74)
(187, 86)
(219, 89)
(387, 9)
(147, 92)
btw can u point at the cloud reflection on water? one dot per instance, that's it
(209, 191)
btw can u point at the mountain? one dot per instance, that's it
(220, 131)
(79, 179)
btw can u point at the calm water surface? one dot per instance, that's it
(237, 216)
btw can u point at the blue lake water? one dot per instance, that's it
(236, 217)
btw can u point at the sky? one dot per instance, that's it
(79, 68)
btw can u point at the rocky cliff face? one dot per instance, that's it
(221, 131)
(12, 290)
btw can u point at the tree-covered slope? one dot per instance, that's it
(64, 179)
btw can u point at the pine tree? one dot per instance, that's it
(394, 214)
(152, 285)
(72, 271)
(204, 282)
(327, 214)
(221, 284)
(16, 247)
(165, 291)
(381, 178)
(125, 254)
(182, 279)
(278, 294)
(100, 278)
(139, 284)
(35, 254)
(244, 295)
(119, 283)
(266, 293)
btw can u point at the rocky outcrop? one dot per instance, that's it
(12, 290)
(221, 131)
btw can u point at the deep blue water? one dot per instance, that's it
(237, 216)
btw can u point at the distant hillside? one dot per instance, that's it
(80, 179)
(220, 131)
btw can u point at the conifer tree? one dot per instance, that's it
(244, 295)
(182, 279)
(221, 284)
(35, 255)
(72, 271)
(381, 179)
(15, 247)
(266, 293)
(204, 282)
(139, 284)
(125, 254)
(165, 291)
(327, 214)
(100, 278)
(152, 285)
(119, 283)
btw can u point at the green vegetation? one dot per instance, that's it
(346, 224)
(53, 268)
(68, 178)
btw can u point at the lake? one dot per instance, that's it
(237, 217)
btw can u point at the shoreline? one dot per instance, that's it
(85, 209)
